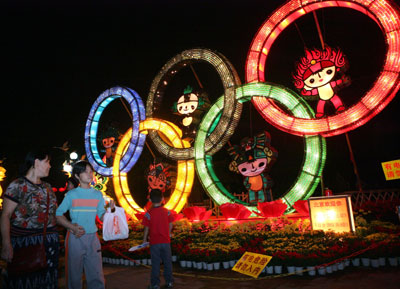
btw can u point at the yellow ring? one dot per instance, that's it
(184, 179)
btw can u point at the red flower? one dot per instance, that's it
(272, 209)
(22, 210)
(301, 207)
(234, 211)
(197, 213)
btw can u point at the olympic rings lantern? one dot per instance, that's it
(383, 12)
(230, 112)
(137, 140)
(185, 174)
(315, 146)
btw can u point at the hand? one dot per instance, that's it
(78, 231)
(7, 252)
(111, 204)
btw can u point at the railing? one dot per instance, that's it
(359, 198)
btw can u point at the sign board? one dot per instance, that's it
(331, 214)
(391, 170)
(251, 264)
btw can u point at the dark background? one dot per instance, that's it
(58, 56)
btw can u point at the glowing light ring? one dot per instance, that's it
(315, 146)
(136, 142)
(185, 174)
(383, 12)
(230, 80)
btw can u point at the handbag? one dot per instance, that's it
(32, 258)
(115, 226)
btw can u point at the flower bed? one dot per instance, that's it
(290, 243)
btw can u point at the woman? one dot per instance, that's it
(24, 218)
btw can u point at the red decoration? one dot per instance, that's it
(234, 211)
(272, 209)
(140, 215)
(196, 214)
(177, 217)
(302, 207)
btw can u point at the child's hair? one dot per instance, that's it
(29, 162)
(156, 196)
(80, 167)
(73, 181)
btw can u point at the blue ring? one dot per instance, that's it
(137, 141)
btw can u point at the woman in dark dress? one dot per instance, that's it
(23, 219)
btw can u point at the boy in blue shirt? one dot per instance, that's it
(82, 247)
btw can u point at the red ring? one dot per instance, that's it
(384, 13)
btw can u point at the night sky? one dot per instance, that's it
(59, 56)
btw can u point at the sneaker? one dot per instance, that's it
(169, 285)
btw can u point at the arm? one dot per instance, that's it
(146, 234)
(170, 229)
(8, 208)
(77, 230)
(65, 205)
(246, 183)
(306, 92)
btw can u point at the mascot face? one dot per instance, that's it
(108, 142)
(321, 77)
(253, 168)
(157, 182)
(187, 104)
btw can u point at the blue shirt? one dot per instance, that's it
(83, 206)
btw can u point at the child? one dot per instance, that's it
(158, 221)
(82, 249)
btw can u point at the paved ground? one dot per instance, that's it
(124, 277)
(121, 277)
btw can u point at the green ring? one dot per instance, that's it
(315, 146)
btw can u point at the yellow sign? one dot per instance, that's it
(331, 214)
(391, 170)
(251, 264)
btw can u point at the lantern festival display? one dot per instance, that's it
(253, 159)
(197, 214)
(158, 176)
(231, 109)
(387, 84)
(315, 77)
(232, 211)
(109, 139)
(314, 152)
(319, 75)
(137, 140)
(190, 106)
(185, 169)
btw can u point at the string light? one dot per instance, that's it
(383, 12)
(230, 80)
(137, 140)
(315, 146)
(185, 169)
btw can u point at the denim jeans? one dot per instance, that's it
(161, 252)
